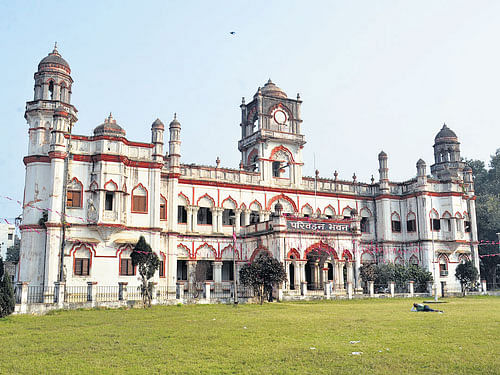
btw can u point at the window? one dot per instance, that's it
(254, 217)
(74, 194)
(181, 270)
(126, 267)
(139, 199)
(447, 223)
(467, 226)
(204, 270)
(228, 217)
(435, 224)
(276, 168)
(411, 225)
(82, 266)
(227, 270)
(9, 236)
(204, 216)
(51, 90)
(365, 225)
(181, 215)
(396, 223)
(443, 267)
(162, 268)
(108, 205)
(163, 209)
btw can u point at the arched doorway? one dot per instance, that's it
(316, 261)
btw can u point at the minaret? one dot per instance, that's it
(157, 129)
(448, 164)
(383, 172)
(421, 173)
(174, 146)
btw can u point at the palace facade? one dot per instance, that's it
(88, 198)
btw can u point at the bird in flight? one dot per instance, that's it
(232, 32)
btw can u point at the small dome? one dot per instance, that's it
(382, 155)
(446, 135)
(109, 128)
(270, 89)
(174, 123)
(157, 124)
(54, 59)
(420, 162)
(278, 207)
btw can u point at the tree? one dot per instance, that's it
(13, 254)
(262, 275)
(487, 189)
(7, 301)
(467, 274)
(148, 262)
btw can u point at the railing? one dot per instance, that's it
(162, 293)
(41, 294)
(381, 289)
(245, 292)
(134, 293)
(107, 293)
(74, 294)
(220, 292)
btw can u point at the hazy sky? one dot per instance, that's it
(373, 75)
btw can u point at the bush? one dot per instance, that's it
(7, 300)
(467, 274)
(382, 274)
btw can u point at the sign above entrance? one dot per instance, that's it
(317, 225)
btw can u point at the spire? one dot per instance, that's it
(55, 51)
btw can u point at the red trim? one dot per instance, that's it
(348, 253)
(365, 209)
(57, 155)
(109, 138)
(333, 209)
(258, 250)
(243, 206)
(458, 215)
(347, 207)
(437, 214)
(411, 213)
(190, 256)
(208, 197)
(307, 205)
(78, 246)
(184, 196)
(395, 213)
(251, 155)
(209, 246)
(117, 159)
(321, 246)
(119, 252)
(285, 150)
(132, 199)
(238, 255)
(165, 200)
(111, 182)
(284, 197)
(81, 193)
(257, 203)
(229, 198)
(36, 159)
(162, 255)
(446, 217)
(293, 252)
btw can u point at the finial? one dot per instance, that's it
(317, 173)
(372, 179)
(335, 174)
(298, 96)
(241, 164)
(175, 115)
(354, 177)
(269, 81)
(242, 100)
(217, 161)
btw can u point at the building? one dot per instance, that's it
(7, 238)
(88, 198)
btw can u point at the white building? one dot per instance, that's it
(111, 190)
(7, 238)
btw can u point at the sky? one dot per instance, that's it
(373, 75)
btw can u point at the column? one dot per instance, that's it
(206, 290)
(336, 279)
(194, 219)
(315, 274)
(189, 220)
(215, 219)
(219, 220)
(217, 266)
(301, 274)
(341, 275)
(262, 216)
(191, 270)
(411, 288)
(246, 217)
(349, 290)
(324, 274)
(391, 288)
(237, 220)
(371, 288)
(350, 274)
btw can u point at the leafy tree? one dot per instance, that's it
(13, 254)
(148, 262)
(487, 189)
(420, 277)
(262, 274)
(368, 272)
(467, 274)
(7, 301)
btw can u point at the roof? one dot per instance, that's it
(446, 135)
(109, 127)
(270, 89)
(53, 58)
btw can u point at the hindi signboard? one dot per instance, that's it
(317, 226)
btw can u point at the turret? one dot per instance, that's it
(447, 161)
(157, 129)
(174, 145)
(383, 172)
(421, 172)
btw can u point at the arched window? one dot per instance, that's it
(82, 261)
(443, 265)
(74, 194)
(447, 221)
(109, 198)
(435, 221)
(365, 221)
(395, 223)
(51, 90)
(163, 208)
(126, 266)
(411, 222)
(139, 200)
(467, 227)
(414, 260)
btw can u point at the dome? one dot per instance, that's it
(54, 59)
(157, 124)
(420, 162)
(446, 135)
(174, 123)
(382, 154)
(109, 128)
(270, 89)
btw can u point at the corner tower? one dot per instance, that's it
(271, 140)
(448, 164)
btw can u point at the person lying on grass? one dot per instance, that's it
(422, 307)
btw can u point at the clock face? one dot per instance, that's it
(280, 117)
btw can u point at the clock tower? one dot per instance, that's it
(271, 142)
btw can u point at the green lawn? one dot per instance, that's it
(278, 338)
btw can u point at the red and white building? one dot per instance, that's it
(88, 198)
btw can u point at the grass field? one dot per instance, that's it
(278, 338)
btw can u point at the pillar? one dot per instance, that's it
(303, 288)
(327, 288)
(324, 275)
(246, 217)
(237, 220)
(191, 271)
(194, 219)
(341, 275)
(302, 272)
(215, 220)
(180, 290)
(411, 288)
(206, 290)
(122, 291)
(59, 289)
(262, 216)
(217, 267)
(391, 287)
(189, 220)
(483, 286)
(349, 290)
(350, 274)
(371, 288)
